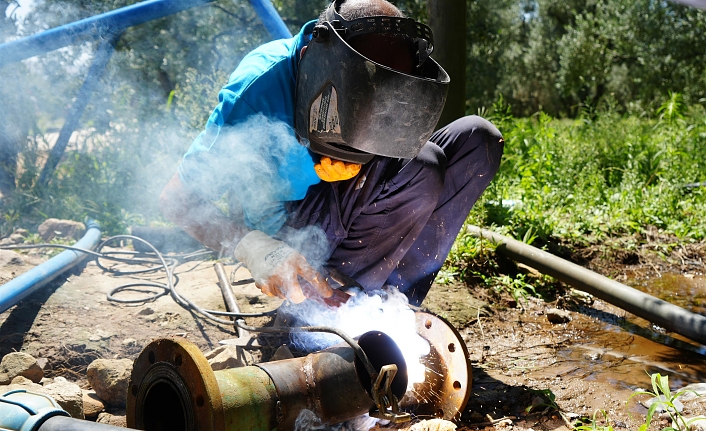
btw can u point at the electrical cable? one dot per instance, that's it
(169, 288)
(141, 258)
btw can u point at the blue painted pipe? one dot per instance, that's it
(115, 22)
(95, 27)
(20, 287)
(271, 19)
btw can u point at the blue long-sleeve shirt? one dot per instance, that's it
(248, 147)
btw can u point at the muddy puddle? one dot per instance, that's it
(687, 291)
(621, 349)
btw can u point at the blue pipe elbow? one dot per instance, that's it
(20, 287)
(26, 411)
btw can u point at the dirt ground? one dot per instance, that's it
(560, 372)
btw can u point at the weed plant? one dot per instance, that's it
(585, 181)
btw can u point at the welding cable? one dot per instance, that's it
(188, 304)
(161, 263)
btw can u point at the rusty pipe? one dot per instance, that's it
(172, 387)
(228, 296)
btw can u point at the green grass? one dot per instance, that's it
(588, 181)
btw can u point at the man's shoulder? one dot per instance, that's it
(275, 58)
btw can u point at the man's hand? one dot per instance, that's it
(335, 170)
(276, 268)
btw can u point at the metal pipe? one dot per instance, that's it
(92, 28)
(22, 410)
(100, 61)
(62, 423)
(271, 19)
(172, 387)
(20, 287)
(228, 297)
(648, 307)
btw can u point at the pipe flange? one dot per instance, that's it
(447, 384)
(173, 383)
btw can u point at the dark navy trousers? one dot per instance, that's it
(395, 222)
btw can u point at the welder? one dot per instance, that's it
(346, 111)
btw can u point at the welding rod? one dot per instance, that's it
(228, 297)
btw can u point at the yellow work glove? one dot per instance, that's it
(335, 170)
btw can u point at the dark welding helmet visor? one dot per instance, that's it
(351, 108)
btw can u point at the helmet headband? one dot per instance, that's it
(417, 33)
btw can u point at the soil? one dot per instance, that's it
(528, 373)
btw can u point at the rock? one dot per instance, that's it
(692, 391)
(9, 257)
(21, 382)
(13, 239)
(146, 312)
(109, 378)
(224, 357)
(68, 395)
(555, 315)
(92, 406)
(99, 335)
(698, 424)
(433, 425)
(112, 419)
(661, 404)
(22, 232)
(43, 364)
(19, 364)
(129, 342)
(52, 228)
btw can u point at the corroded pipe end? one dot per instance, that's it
(172, 387)
(447, 384)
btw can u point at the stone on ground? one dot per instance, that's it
(52, 228)
(19, 364)
(109, 378)
(111, 419)
(68, 395)
(92, 405)
(9, 257)
(224, 357)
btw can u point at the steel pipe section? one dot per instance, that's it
(20, 287)
(172, 387)
(648, 307)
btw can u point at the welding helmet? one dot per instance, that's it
(351, 108)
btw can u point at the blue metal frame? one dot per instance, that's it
(100, 60)
(108, 27)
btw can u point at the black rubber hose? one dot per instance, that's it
(655, 310)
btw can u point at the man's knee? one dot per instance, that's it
(433, 164)
(471, 134)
